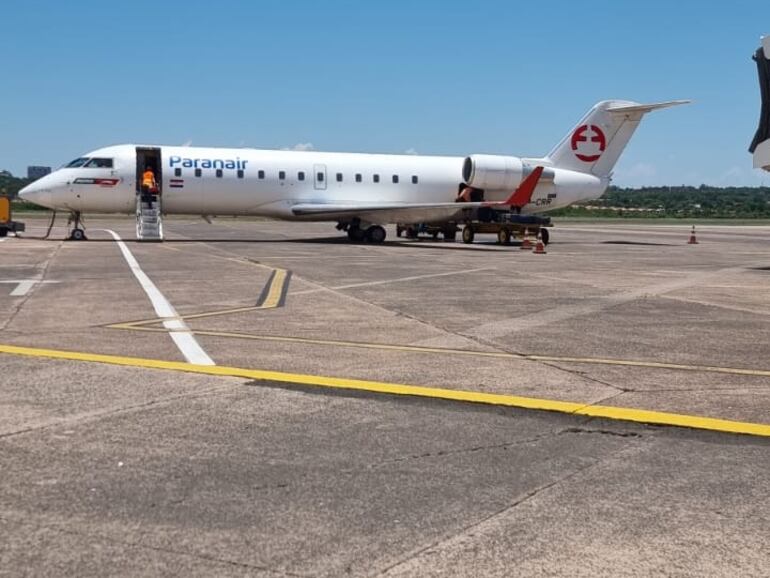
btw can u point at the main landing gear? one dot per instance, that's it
(372, 234)
(78, 233)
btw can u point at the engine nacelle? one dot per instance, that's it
(493, 172)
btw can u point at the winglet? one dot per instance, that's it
(523, 193)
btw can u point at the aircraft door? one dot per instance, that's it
(319, 177)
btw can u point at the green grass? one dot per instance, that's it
(660, 221)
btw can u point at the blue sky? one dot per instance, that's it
(433, 77)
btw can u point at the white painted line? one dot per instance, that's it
(23, 286)
(178, 329)
(396, 280)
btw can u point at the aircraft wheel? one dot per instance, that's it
(78, 235)
(544, 235)
(355, 234)
(375, 234)
(468, 234)
(504, 237)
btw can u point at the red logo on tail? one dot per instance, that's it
(597, 136)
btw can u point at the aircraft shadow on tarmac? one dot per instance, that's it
(643, 243)
(480, 246)
(427, 244)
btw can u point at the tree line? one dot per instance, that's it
(678, 202)
(10, 185)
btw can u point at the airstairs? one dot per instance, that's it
(149, 221)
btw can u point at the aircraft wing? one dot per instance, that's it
(382, 213)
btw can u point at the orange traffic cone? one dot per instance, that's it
(526, 244)
(539, 246)
(693, 240)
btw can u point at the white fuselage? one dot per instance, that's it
(219, 181)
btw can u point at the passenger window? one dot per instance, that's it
(358, 177)
(301, 176)
(198, 172)
(240, 173)
(99, 164)
(260, 174)
(219, 173)
(395, 178)
(76, 163)
(414, 179)
(319, 177)
(281, 175)
(177, 172)
(339, 177)
(376, 178)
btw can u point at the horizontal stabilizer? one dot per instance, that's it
(627, 108)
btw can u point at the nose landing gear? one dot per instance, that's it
(78, 233)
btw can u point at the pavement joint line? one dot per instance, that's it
(653, 364)
(395, 280)
(465, 352)
(753, 311)
(566, 407)
(178, 330)
(244, 261)
(558, 314)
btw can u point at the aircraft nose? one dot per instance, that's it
(37, 193)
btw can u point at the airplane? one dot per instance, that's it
(360, 192)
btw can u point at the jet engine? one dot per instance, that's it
(493, 172)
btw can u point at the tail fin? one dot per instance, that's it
(596, 143)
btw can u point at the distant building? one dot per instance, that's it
(35, 172)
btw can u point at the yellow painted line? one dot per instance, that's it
(597, 411)
(275, 293)
(276, 290)
(362, 345)
(139, 324)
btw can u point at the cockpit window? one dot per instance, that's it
(96, 163)
(76, 163)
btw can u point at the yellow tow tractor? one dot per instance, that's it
(7, 225)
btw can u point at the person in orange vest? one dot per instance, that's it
(149, 185)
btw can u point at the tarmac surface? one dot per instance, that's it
(266, 399)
